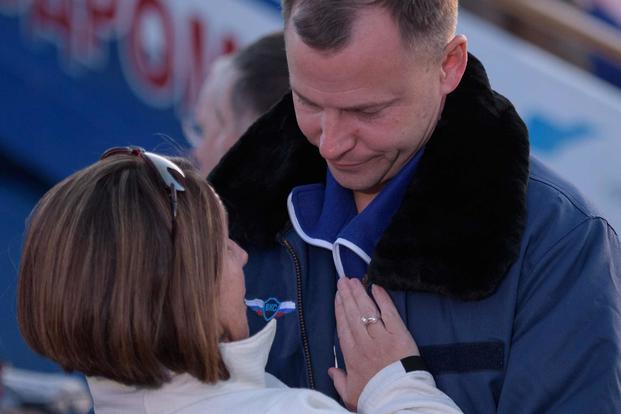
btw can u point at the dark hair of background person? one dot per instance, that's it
(105, 290)
(327, 24)
(237, 90)
(263, 74)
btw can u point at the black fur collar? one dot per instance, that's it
(461, 221)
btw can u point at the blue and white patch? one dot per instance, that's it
(270, 308)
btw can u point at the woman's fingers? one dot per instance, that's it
(390, 315)
(364, 302)
(350, 310)
(342, 324)
(356, 305)
(402, 339)
(375, 326)
(339, 378)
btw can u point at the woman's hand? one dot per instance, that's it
(367, 348)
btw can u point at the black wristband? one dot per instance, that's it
(414, 363)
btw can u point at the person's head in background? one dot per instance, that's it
(238, 89)
(115, 285)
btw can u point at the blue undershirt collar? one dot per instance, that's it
(324, 215)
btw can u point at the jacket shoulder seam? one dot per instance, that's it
(568, 197)
(568, 233)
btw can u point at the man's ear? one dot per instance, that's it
(454, 63)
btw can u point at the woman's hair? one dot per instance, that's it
(105, 288)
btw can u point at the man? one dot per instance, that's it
(394, 161)
(237, 90)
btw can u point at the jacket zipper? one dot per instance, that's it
(305, 347)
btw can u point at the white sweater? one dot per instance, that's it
(251, 390)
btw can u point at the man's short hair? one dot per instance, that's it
(327, 24)
(106, 290)
(263, 76)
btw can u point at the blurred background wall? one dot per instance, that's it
(79, 76)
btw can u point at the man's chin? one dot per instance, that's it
(362, 178)
(355, 182)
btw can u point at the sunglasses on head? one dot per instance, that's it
(169, 174)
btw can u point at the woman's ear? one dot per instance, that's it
(454, 63)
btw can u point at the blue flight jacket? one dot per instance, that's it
(547, 341)
(509, 281)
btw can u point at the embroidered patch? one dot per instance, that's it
(271, 308)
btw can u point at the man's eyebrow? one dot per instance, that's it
(304, 98)
(371, 105)
(360, 107)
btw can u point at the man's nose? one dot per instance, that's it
(336, 135)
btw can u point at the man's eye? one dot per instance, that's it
(370, 113)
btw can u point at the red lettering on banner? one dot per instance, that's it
(164, 54)
(74, 25)
(101, 16)
(55, 17)
(229, 45)
(99, 20)
(196, 66)
(153, 62)
(99, 12)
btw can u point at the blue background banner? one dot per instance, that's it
(52, 124)
(70, 88)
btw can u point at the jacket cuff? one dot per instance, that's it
(413, 363)
(376, 389)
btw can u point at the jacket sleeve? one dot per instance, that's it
(565, 353)
(390, 391)
(393, 390)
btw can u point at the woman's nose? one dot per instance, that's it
(240, 253)
(244, 256)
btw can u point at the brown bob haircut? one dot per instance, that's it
(105, 290)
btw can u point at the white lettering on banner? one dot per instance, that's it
(165, 46)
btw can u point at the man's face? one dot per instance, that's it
(221, 126)
(368, 107)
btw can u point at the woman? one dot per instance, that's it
(128, 275)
